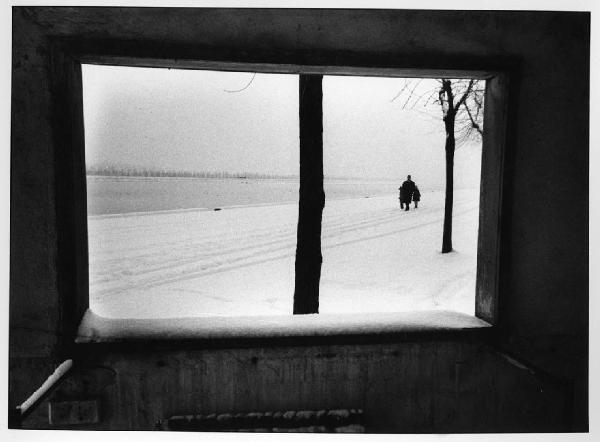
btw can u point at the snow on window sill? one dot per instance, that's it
(97, 329)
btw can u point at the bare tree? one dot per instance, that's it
(461, 102)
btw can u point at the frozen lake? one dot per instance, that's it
(239, 261)
(109, 194)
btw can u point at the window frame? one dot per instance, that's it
(71, 200)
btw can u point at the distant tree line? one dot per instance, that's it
(150, 172)
(136, 171)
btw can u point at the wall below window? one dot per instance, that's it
(409, 387)
(431, 385)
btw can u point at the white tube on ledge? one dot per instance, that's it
(55, 377)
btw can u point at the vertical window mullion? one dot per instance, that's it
(312, 196)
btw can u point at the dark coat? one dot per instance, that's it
(406, 190)
(416, 196)
(402, 197)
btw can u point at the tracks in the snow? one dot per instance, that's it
(181, 247)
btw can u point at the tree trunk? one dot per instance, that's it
(450, 146)
(312, 196)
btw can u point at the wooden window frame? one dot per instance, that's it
(71, 204)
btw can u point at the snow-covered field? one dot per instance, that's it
(240, 260)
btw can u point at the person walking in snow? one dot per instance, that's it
(406, 193)
(416, 197)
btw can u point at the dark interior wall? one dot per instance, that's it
(544, 256)
(447, 385)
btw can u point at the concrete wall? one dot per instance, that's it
(408, 387)
(543, 311)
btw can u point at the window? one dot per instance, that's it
(377, 257)
(218, 230)
(192, 191)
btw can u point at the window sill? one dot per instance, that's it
(292, 329)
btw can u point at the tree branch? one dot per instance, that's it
(245, 87)
(464, 97)
(411, 94)
(406, 84)
(473, 123)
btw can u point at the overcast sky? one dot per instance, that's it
(193, 120)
